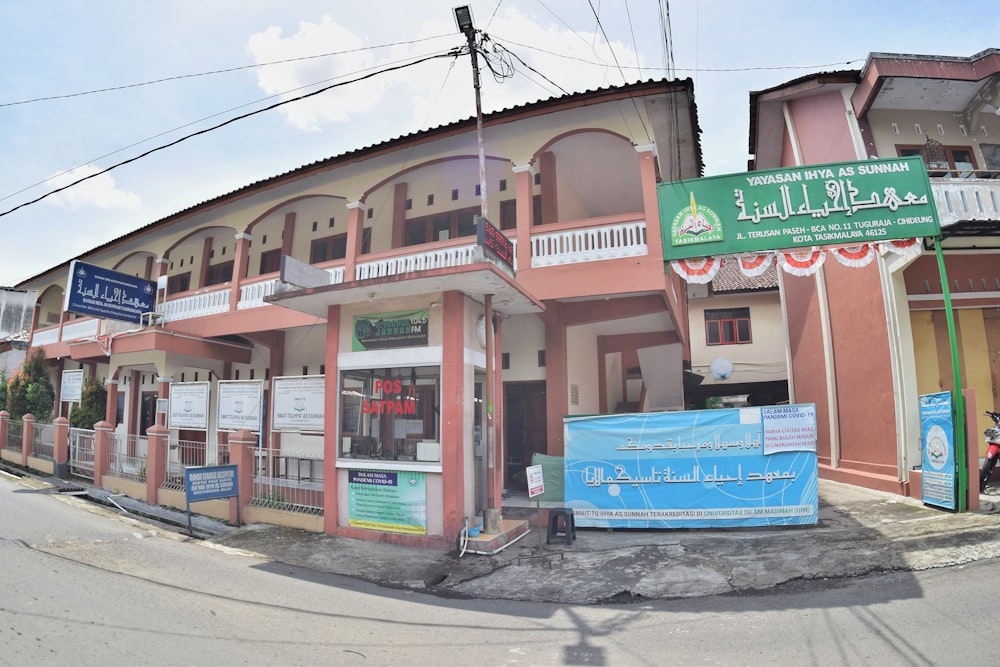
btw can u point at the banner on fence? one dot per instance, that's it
(240, 405)
(188, 406)
(298, 403)
(697, 469)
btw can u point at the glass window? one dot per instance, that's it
(727, 327)
(390, 413)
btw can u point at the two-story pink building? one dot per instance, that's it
(866, 342)
(394, 313)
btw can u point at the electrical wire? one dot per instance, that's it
(218, 71)
(448, 54)
(189, 124)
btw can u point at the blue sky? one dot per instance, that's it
(56, 48)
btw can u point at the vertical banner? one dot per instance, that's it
(239, 405)
(696, 469)
(938, 481)
(393, 501)
(188, 406)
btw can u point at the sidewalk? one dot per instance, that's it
(860, 531)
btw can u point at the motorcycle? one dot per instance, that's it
(992, 450)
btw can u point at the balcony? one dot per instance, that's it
(559, 244)
(967, 199)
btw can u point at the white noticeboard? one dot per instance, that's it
(239, 405)
(188, 405)
(71, 387)
(536, 485)
(298, 403)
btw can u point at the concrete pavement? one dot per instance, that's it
(860, 531)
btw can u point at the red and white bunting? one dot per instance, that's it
(803, 262)
(904, 247)
(755, 263)
(855, 255)
(697, 269)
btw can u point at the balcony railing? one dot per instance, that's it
(612, 237)
(196, 305)
(966, 199)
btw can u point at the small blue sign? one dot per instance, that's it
(208, 482)
(938, 481)
(99, 292)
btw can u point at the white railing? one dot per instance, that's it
(196, 305)
(252, 296)
(288, 481)
(81, 452)
(78, 329)
(128, 457)
(589, 244)
(43, 337)
(421, 261)
(966, 199)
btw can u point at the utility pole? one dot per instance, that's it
(491, 515)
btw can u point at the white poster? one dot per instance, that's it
(71, 388)
(239, 405)
(298, 403)
(188, 405)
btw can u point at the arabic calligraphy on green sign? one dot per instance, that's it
(845, 203)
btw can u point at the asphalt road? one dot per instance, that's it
(81, 586)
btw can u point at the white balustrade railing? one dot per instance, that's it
(589, 244)
(196, 305)
(45, 337)
(421, 261)
(966, 199)
(78, 329)
(252, 296)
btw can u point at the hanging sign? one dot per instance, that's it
(492, 239)
(386, 330)
(844, 203)
(98, 292)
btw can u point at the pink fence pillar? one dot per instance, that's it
(103, 442)
(156, 461)
(4, 421)
(27, 438)
(242, 448)
(60, 447)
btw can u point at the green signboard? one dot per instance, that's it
(400, 329)
(844, 203)
(389, 500)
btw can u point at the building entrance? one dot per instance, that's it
(525, 429)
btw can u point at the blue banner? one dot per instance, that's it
(696, 469)
(92, 290)
(938, 481)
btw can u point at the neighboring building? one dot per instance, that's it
(590, 319)
(866, 342)
(738, 339)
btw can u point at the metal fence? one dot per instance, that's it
(128, 457)
(44, 445)
(15, 435)
(288, 481)
(81, 453)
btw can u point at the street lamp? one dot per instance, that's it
(491, 515)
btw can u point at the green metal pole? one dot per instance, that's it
(958, 401)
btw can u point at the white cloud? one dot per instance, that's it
(98, 192)
(287, 80)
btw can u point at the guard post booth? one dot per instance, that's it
(410, 407)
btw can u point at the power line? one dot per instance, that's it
(450, 54)
(180, 127)
(218, 71)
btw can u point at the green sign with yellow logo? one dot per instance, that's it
(844, 203)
